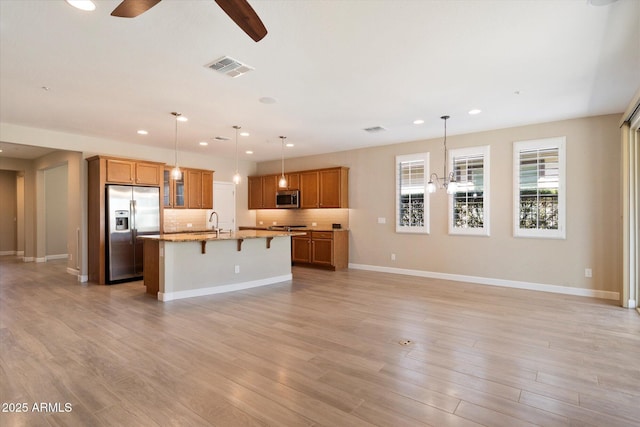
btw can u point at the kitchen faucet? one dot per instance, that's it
(215, 227)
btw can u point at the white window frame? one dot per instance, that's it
(483, 151)
(539, 144)
(423, 229)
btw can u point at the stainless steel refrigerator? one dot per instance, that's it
(131, 212)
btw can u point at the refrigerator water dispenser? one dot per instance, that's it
(122, 220)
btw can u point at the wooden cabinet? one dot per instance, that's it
(293, 181)
(322, 248)
(174, 190)
(309, 189)
(269, 189)
(262, 191)
(200, 186)
(301, 248)
(123, 171)
(255, 192)
(103, 170)
(321, 188)
(328, 249)
(194, 190)
(333, 188)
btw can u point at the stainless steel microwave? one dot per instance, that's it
(288, 199)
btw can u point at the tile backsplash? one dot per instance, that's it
(323, 218)
(176, 220)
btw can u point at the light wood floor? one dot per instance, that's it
(323, 350)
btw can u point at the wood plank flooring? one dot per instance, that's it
(323, 350)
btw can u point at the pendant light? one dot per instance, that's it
(176, 173)
(236, 177)
(283, 181)
(447, 181)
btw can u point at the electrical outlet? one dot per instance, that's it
(314, 224)
(260, 222)
(237, 269)
(393, 257)
(189, 225)
(382, 220)
(274, 223)
(588, 272)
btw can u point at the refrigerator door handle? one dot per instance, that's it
(132, 205)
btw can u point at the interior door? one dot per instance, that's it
(224, 203)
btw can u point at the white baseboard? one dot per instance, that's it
(168, 296)
(568, 290)
(58, 256)
(632, 303)
(5, 253)
(27, 259)
(43, 259)
(20, 253)
(82, 278)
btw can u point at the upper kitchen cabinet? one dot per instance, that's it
(174, 191)
(255, 192)
(200, 189)
(124, 171)
(262, 191)
(293, 181)
(194, 190)
(309, 189)
(325, 188)
(319, 188)
(333, 187)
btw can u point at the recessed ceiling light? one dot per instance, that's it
(475, 111)
(516, 92)
(45, 88)
(182, 119)
(244, 134)
(289, 144)
(268, 100)
(418, 122)
(248, 152)
(143, 132)
(203, 143)
(87, 5)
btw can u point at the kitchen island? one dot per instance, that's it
(185, 265)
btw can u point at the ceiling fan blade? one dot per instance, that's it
(241, 12)
(133, 8)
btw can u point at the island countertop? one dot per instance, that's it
(211, 235)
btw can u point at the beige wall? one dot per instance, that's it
(56, 213)
(593, 209)
(8, 213)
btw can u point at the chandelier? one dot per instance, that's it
(448, 180)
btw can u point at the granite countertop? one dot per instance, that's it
(209, 235)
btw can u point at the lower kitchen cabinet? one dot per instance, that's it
(328, 249)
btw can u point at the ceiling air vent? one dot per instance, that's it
(229, 66)
(221, 138)
(375, 129)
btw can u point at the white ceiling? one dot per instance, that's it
(335, 67)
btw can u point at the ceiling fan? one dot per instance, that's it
(240, 11)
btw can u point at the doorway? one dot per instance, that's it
(224, 203)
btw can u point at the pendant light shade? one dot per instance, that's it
(176, 173)
(236, 177)
(283, 181)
